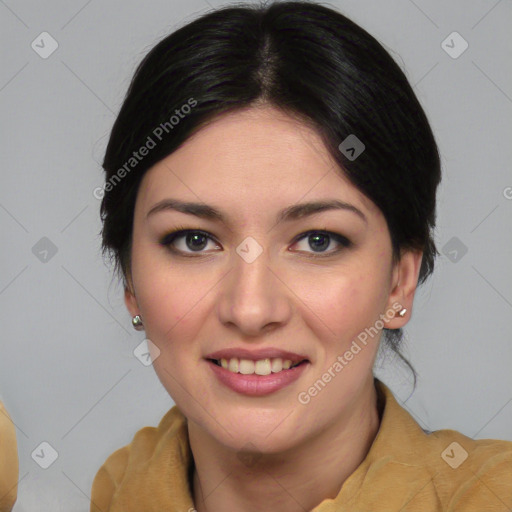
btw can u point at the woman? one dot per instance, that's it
(261, 132)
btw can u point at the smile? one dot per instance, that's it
(252, 383)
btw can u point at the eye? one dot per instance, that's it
(193, 240)
(321, 240)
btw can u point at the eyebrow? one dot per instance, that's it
(288, 214)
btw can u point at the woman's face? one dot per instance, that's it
(257, 282)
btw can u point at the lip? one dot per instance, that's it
(257, 385)
(255, 355)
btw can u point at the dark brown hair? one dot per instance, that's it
(309, 61)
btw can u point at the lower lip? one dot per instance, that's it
(257, 385)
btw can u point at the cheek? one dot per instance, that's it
(165, 293)
(169, 301)
(167, 306)
(345, 302)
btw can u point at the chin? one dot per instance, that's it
(268, 433)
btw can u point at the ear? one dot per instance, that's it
(130, 300)
(403, 286)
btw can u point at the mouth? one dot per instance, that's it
(265, 366)
(257, 377)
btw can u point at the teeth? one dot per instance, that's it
(263, 367)
(277, 365)
(246, 366)
(233, 365)
(260, 367)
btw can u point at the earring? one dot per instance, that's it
(137, 323)
(402, 312)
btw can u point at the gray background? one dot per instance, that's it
(68, 375)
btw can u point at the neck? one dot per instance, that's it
(294, 481)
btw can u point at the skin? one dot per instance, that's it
(251, 164)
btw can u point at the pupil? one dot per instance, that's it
(319, 246)
(192, 238)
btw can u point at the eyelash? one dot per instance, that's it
(168, 239)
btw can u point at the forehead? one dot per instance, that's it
(250, 158)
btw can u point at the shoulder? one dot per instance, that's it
(111, 474)
(8, 461)
(451, 470)
(471, 473)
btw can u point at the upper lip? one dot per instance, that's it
(255, 355)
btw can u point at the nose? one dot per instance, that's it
(254, 299)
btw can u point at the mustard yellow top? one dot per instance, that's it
(8, 462)
(406, 470)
